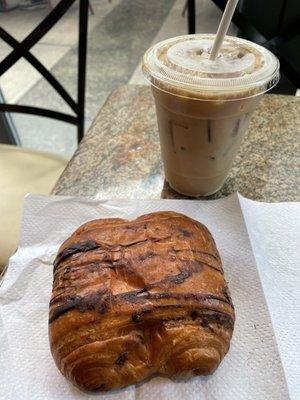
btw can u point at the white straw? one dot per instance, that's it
(223, 28)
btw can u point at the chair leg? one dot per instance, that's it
(191, 17)
(82, 47)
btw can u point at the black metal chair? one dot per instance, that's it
(25, 170)
(22, 49)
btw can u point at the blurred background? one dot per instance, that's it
(119, 31)
(60, 60)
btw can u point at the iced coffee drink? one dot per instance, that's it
(203, 106)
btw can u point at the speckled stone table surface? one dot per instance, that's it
(119, 156)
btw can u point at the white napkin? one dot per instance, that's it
(251, 370)
(274, 231)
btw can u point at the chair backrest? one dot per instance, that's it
(22, 49)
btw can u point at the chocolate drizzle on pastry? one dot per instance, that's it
(134, 298)
(80, 247)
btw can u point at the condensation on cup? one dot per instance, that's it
(203, 106)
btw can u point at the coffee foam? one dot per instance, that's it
(182, 64)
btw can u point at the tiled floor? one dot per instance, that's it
(119, 33)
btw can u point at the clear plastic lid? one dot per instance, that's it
(183, 62)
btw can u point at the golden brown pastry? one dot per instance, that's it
(134, 298)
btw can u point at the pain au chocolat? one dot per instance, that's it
(135, 298)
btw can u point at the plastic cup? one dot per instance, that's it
(204, 107)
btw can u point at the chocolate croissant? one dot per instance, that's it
(135, 298)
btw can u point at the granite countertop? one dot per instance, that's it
(119, 156)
